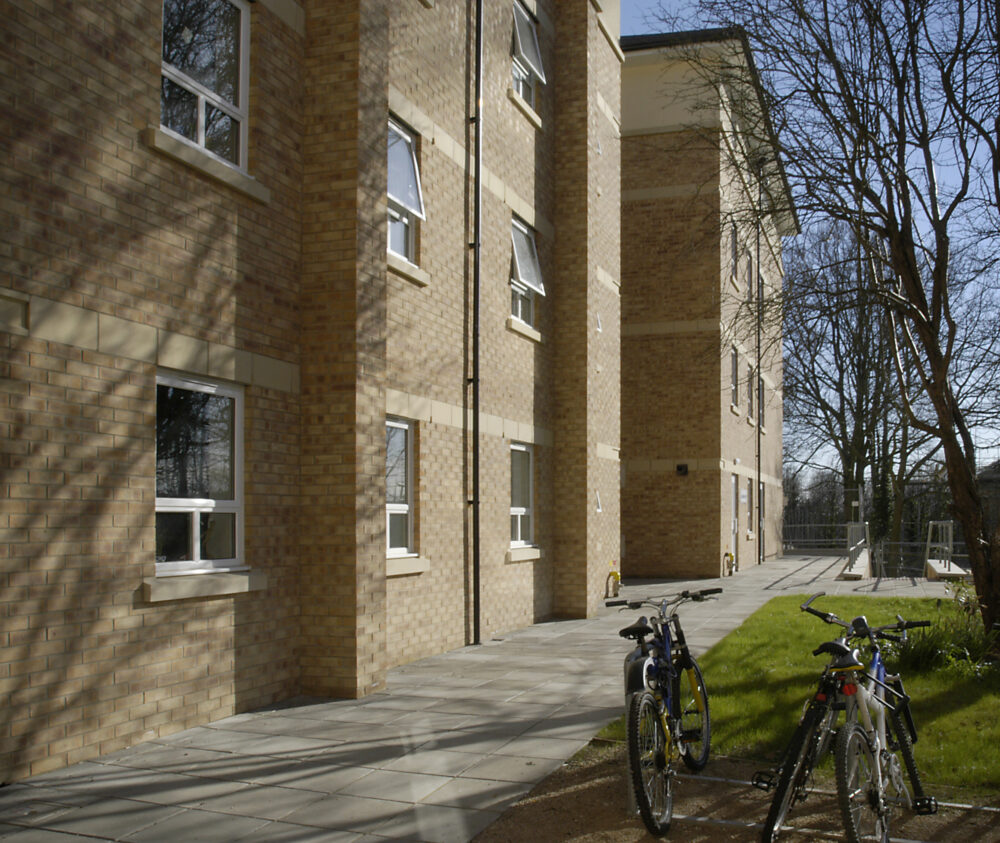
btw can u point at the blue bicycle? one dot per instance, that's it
(666, 718)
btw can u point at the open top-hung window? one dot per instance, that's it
(406, 201)
(205, 75)
(525, 273)
(199, 500)
(527, 68)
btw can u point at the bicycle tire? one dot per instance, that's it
(862, 808)
(795, 770)
(905, 749)
(649, 763)
(691, 709)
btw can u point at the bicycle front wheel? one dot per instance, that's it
(800, 757)
(649, 763)
(691, 701)
(862, 806)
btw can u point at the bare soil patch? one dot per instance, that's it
(585, 801)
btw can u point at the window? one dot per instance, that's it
(734, 359)
(760, 401)
(525, 273)
(199, 455)
(749, 280)
(398, 487)
(205, 75)
(734, 253)
(406, 201)
(521, 492)
(749, 504)
(750, 391)
(527, 68)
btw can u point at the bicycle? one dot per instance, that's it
(663, 722)
(866, 765)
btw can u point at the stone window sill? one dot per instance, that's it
(524, 329)
(735, 410)
(213, 168)
(402, 566)
(410, 271)
(523, 554)
(192, 586)
(525, 108)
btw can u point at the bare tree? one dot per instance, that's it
(884, 114)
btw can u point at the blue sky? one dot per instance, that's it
(640, 16)
(634, 14)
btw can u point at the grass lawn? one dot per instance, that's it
(759, 676)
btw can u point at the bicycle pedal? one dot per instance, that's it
(763, 780)
(689, 735)
(925, 805)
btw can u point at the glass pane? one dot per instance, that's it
(178, 109)
(396, 473)
(525, 527)
(514, 533)
(520, 479)
(526, 41)
(399, 530)
(221, 134)
(173, 536)
(218, 535)
(404, 182)
(201, 38)
(194, 444)
(526, 267)
(399, 235)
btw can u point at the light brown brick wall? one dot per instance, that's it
(105, 227)
(679, 310)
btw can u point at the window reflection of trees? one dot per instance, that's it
(194, 444)
(201, 39)
(395, 465)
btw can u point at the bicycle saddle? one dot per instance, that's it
(844, 657)
(639, 629)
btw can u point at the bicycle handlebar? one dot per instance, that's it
(874, 632)
(674, 598)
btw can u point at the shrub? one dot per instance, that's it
(956, 641)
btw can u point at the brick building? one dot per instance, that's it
(240, 344)
(301, 382)
(700, 356)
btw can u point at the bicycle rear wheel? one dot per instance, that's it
(691, 701)
(649, 763)
(800, 757)
(864, 811)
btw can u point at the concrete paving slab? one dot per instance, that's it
(437, 824)
(203, 826)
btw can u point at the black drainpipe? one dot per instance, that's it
(477, 191)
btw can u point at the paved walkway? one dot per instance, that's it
(453, 741)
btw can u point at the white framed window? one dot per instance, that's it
(406, 200)
(734, 367)
(749, 279)
(399, 487)
(526, 64)
(521, 494)
(750, 391)
(525, 273)
(734, 253)
(199, 476)
(760, 401)
(205, 75)
(750, 524)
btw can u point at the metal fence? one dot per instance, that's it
(815, 536)
(909, 559)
